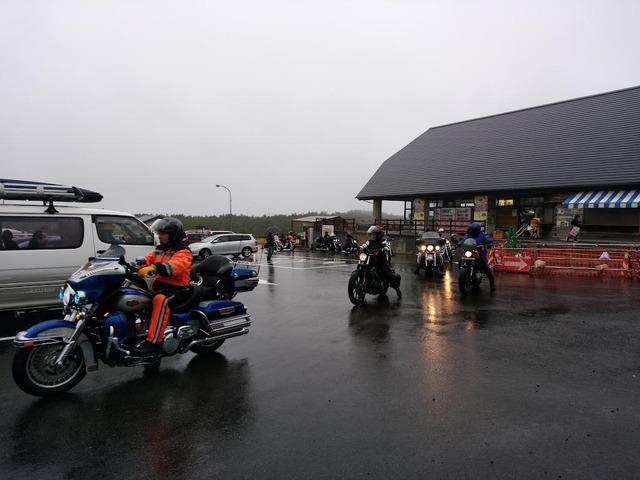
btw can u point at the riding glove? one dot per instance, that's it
(143, 272)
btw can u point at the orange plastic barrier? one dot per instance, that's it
(605, 260)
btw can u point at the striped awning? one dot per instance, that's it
(604, 199)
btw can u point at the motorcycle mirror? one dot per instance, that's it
(140, 261)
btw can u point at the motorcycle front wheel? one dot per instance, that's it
(35, 373)
(356, 288)
(448, 255)
(464, 280)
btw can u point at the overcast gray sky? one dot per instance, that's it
(292, 105)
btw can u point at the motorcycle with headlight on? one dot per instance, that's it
(107, 309)
(366, 278)
(470, 274)
(430, 249)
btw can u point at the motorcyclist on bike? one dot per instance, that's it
(475, 232)
(376, 242)
(326, 239)
(171, 261)
(441, 232)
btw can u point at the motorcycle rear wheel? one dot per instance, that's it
(34, 372)
(464, 280)
(208, 348)
(356, 288)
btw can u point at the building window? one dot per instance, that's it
(408, 210)
(532, 201)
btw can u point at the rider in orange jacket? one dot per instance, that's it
(171, 262)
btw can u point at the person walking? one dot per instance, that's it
(270, 244)
(575, 228)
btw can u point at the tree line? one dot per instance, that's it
(256, 225)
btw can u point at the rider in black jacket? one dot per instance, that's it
(376, 242)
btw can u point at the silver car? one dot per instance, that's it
(235, 244)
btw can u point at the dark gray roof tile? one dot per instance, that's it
(587, 142)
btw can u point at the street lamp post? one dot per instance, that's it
(230, 224)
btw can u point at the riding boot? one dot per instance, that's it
(146, 349)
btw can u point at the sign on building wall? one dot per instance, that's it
(447, 214)
(565, 215)
(480, 209)
(463, 214)
(418, 209)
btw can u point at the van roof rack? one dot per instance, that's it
(46, 192)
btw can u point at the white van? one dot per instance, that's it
(43, 244)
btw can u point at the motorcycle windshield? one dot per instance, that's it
(97, 276)
(114, 252)
(469, 244)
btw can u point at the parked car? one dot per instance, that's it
(195, 237)
(43, 245)
(235, 244)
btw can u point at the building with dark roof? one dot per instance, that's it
(548, 162)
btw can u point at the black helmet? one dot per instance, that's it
(169, 225)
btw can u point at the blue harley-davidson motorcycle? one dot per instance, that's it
(107, 308)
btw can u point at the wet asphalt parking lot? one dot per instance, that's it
(540, 379)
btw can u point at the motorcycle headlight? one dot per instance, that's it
(66, 294)
(430, 248)
(468, 254)
(423, 248)
(437, 247)
(80, 298)
(363, 257)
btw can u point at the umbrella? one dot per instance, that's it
(273, 229)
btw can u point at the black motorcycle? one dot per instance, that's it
(350, 247)
(430, 250)
(367, 278)
(334, 243)
(471, 274)
(389, 251)
(447, 251)
(328, 243)
(321, 243)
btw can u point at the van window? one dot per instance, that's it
(125, 230)
(50, 232)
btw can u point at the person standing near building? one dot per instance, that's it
(575, 228)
